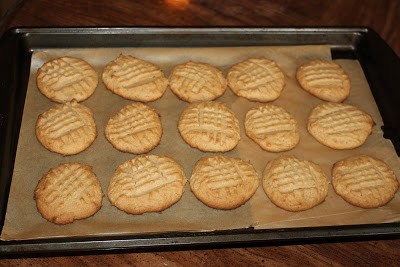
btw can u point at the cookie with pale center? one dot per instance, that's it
(134, 79)
(148, 183)
(197, 81)
(339, 125)
(209, 126)
(136, 129)
(68, 192)
(364, 181)
(324, 79)
(294, 184)
(272, 128)
(257, 79)
(67, 129)
(223, 182)
(66, 78)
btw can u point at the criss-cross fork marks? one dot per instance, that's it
(223, 182)
(65, 123)
(326, 75)
(293, 177)
(144, 175)
(130, 72)
(365, 179)
(216, 122)
(225, 175)
(258, 74)
(197, 78)
(70, 73)
(134, 122)
(339, 120)
(269, 121)
(70, 183)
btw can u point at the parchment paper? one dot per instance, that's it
(33, 160)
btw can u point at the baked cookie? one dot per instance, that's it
(68, 192)
(134, 79)
(294, 184)
(136, 128)
(66, 78)
(364, 181)
(257, 79)
(223, 183)
(340, 126)
(272, 128)
(325, 80)
(148, 183)
(195, 81)
(67, 128)
(209, 126)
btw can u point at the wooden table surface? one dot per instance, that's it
(381, 16)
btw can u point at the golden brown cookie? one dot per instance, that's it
(136, 128)
(68, 192)
(224, 183)
(195, 81)
(148, 183)
(257, 79)
(67, 128)
(364, 181)
(209, 126)
(134, 79)
(272, 128)
(324, 79)
(294, 184)
(66, 78)
(340, 126)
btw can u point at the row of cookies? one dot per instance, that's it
(257, 79)
(152, 183)
(70, 128)
(209, 126)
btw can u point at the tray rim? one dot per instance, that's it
(185, 29)
(213, 238)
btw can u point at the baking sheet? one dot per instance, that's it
(32, 160)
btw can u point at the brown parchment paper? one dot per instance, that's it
(32, 160)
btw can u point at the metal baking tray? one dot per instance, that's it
(380, 64)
